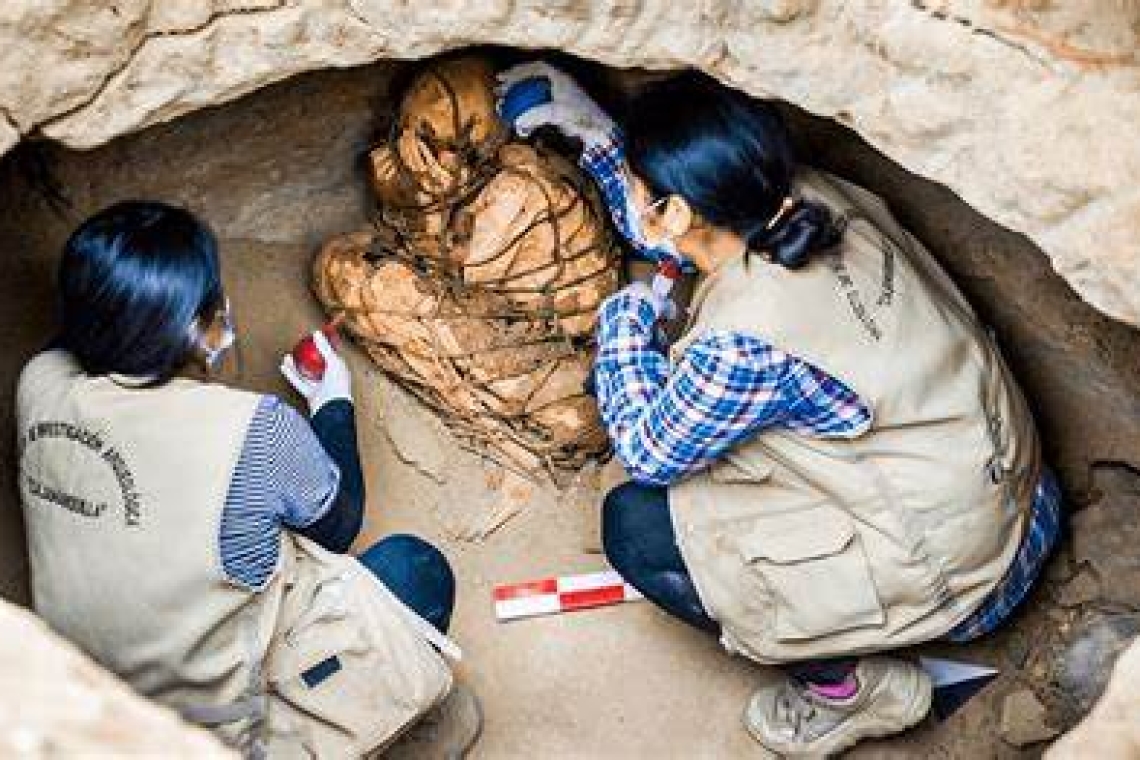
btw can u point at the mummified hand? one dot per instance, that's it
(569, 109)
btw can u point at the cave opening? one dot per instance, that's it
(279, 171)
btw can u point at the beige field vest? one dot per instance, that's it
(123, 490)
(805, 547)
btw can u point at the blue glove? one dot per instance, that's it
(524, 95)
(536, 94)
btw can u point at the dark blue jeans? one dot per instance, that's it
(417, 573)
(412, 569)
(637, 533)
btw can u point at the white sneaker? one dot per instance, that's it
(792, 720)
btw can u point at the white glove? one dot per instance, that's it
(663, 306)
(570, 109)
(336, 383)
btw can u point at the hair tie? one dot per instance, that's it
(786, 206)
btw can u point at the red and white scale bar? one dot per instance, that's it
(550, 596)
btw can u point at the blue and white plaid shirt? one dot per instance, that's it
(667, 421)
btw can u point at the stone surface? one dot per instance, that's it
(1086, 664)
(1082, 589)
(1112, 729)
(417, 437)
(55, 702)
(1106, 536)
(1023, 720)
(1026, 109)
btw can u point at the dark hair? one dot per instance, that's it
(133, 278)
(730, 157)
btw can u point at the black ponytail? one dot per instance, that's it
(730, 157)
(805, 228)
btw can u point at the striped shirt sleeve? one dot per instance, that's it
(283, 479)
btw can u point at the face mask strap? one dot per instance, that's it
(212, 355)
(666, 244)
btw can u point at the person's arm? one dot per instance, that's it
(667, 422)
(604, 161)
(335, 427)
(283, 478)
(573, 112)
(334, 430)
(308, 472)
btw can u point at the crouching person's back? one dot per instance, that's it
(188, 535)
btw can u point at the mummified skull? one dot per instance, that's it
(500, 380)
(447, 127)
(452, 105)
(446, 132)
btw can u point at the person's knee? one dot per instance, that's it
(416, 572)
(612, 528)
(624, 508)
(427, 560)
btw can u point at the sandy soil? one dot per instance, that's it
(275, 175)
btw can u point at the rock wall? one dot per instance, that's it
(274, 174)
(1025, 108)
(1111, 730)
(55, 702)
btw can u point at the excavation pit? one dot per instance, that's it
(279, 171)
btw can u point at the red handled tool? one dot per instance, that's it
(307, 357)
(668, 272)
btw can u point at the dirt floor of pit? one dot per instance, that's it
(277, 173)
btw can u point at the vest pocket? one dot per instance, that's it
(333, 680)
(347, 670)
(813, 563)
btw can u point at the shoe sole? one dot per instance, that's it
(456, 752)
(463, 751)
(870, 727)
